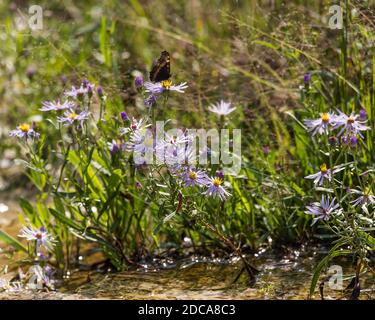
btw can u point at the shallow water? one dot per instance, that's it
(284, 275)
(281, 277)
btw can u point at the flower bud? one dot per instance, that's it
(363, 114)
(353, 141)
(100, 91)
(307, 78)
(138, 81)
(124, 116)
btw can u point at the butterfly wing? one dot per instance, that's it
(161, 69)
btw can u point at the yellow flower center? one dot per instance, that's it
(24, 127)
(166, 84)
(73, 116)
(325, 117)
(217, 182)
(192, 175)
(323, 168)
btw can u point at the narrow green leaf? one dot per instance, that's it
(8, 239)
(65, 220)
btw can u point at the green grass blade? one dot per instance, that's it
(8, 239)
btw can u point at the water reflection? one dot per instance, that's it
(281, 277)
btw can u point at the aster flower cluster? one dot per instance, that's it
(327, 207)
(176, 153)
(86, 89)
(71, 109)
(40, 275)
(106, 158)
(348, 127)
(36, 278)
(215, 186)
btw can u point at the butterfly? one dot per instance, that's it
(161, 68)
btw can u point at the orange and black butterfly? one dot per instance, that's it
(161, 69)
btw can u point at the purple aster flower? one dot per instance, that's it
(70, 117)
(24, 131)
(85, 88)
(221, 108)
(323, 209)
(344, 139)
(76, 92)
(150, 101)
(56, 105)
(138, 81)
(350, 124)
(323, 174)
(41, 236)
(135, 125)
(215, 188)
(365, 197)
(192, 177)
(165, 85)
(320, 125)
